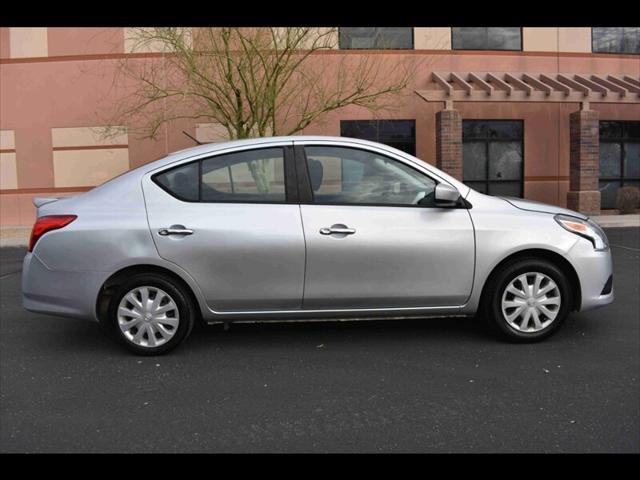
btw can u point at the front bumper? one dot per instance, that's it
(594, 270)
(55, 292)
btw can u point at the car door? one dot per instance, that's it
(374, 237)
(232, 221)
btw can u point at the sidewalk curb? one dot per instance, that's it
(616, 221)
(14, 236)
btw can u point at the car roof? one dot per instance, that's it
(212, 148)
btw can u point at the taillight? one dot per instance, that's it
(46, 224)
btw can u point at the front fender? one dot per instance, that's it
(502, 234)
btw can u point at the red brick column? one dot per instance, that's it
(584, 165)
(449, 142)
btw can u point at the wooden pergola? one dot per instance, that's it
(582, 88)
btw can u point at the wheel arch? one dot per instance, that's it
(539, 253)
(109, 286)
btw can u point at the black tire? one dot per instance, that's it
(177, 293)
(492, 301)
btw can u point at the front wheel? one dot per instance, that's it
(151, 314)
(528, 300)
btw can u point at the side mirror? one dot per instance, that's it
(446, 195)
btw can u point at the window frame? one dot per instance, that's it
(521, 49)
(290, 177)
(307, 196)
(412, 47)
(621, 140)
(486, 141)
(593, 50)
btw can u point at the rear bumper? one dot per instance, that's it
(594, 270)
(55, 292)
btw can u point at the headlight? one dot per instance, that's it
(585, 228)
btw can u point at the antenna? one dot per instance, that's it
(192, 138)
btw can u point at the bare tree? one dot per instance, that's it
(252, 81)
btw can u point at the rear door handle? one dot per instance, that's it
(174, 231)
(338, 230)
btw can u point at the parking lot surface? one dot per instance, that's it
(422, 385)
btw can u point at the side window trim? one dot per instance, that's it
(304, 180)
(200, 180)
(291, 189)
(290, 177)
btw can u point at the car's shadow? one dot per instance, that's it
(82, 336)
(341, 330)
(79, 335)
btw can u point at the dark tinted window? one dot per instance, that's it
(492, 129)
(181, 182)
(400, 134)
(376, 37)
(352, 176)
(247, 176)
(619, 159)
(486, 38)
(615, 39)
(492, 156)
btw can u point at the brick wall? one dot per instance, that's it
(585, 148)
(449, 142)
(584, 163)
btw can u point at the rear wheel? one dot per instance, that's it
(528, 300)
(151, 314)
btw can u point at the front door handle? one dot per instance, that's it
(335, 229)
(175, 230)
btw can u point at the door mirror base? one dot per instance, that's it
(447, 204)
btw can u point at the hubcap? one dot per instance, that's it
(148, 316)
(531, 302)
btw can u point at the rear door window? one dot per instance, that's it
(181, 182)
(246, 176)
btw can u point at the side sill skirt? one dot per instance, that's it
(333, 316)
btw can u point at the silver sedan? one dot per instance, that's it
(291, 228)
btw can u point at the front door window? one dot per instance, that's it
(350, 176)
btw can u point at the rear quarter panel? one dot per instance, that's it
(111, 228)
(110, 233)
